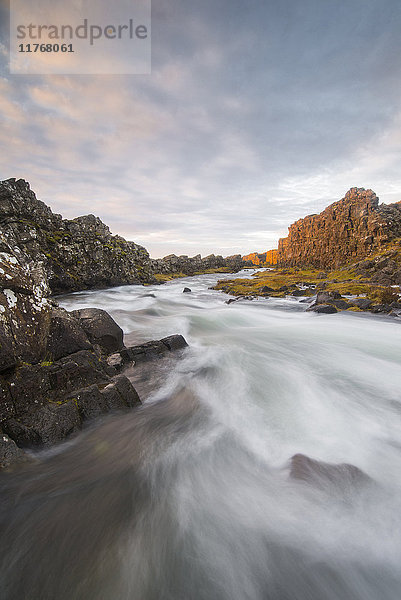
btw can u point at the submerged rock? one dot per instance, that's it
(324, 475)
(153, 348)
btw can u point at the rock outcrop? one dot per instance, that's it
(76, 254)
(344, 232)
(190, 265)
(53, 369)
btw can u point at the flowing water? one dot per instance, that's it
(190, 497)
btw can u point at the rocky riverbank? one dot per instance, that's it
(59, 369)
(371, 285)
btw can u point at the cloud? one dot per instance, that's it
(250, 120)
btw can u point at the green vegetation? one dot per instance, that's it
(284, 281)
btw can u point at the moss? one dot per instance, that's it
(46, 363)
(162, 277)
(383, 295)
(343, 281)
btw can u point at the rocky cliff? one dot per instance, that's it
(344, 232)
(54, 372)
(195, 264)
(265, 258)
(76, 254)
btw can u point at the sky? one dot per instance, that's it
(256, 113)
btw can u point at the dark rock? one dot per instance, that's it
(148, 350)
(327, 297)
(7, 356)
(10, 454)
(153, 349)
(266, 289)
(65, 336)
(7, 407)
(341, 304)
(127, 355)
(100, 328)
(90, 402)
(186, 290)
(120, 393)
(381, 308)
(308, 300)
(44, 427)
(174, 342)
(327, 309)
(298, 293)
(362, 303)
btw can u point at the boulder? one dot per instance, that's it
(362, 303)
(174, 342)
(65, 335)
(327, 297)
(101, 329)
(186, 290)
(326, 309)
(120, 393)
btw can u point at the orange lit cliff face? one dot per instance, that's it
(344, 232)
(269, 257)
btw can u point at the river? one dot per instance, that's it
(190, 498)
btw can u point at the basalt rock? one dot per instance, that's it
(153, 348)
(53, 371)
(100, 328)
(75, 254)
(344, 232)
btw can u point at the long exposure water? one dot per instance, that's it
(190, 497)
